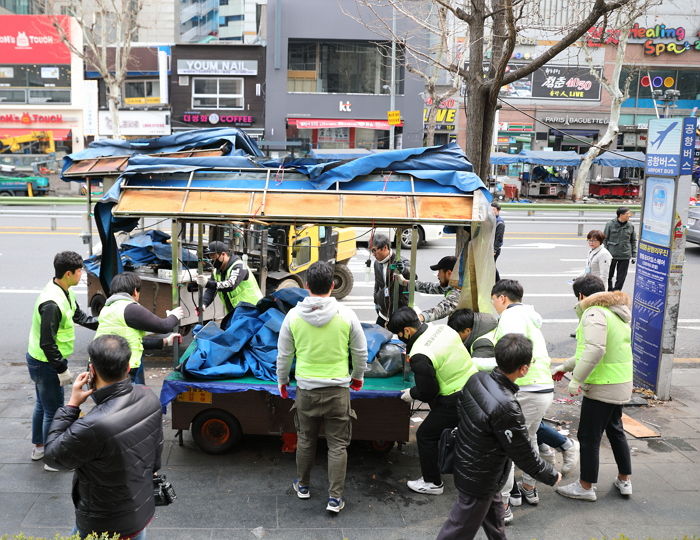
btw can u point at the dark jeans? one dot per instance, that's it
(622, 265)
(442, 415)
(49, 397)
(469, 514)
(137, 375)
(546, 434)
(598, 417)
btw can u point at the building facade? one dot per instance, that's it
(328, 83)
(218, 85)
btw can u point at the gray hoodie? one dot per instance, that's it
(318, 311)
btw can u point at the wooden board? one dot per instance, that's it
(637, 429)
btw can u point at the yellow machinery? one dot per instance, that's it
(35, 142)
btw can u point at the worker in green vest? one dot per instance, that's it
(322, 335)
(441, 367)
(602, 369)
(478, 333)
(51, 339)
(536, 389)
(124, 316)
(231, 279)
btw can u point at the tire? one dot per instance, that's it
(216, 431)
(6, 194)
(406, 237)
(561, 195)
(342, 280)
(97, 302)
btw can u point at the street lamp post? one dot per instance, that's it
(667, 98)
(392, 89)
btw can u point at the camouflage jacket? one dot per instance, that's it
(446, 306)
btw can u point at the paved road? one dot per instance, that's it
(543, 257)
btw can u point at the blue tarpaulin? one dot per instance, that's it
(501, 158)
(543, 157)
(619, 158)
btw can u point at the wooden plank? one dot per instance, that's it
(637, 429)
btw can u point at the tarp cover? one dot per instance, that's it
(501, 158)
(248, 346)
(543, 157)
(619, 158)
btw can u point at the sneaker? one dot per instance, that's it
(302, 491)
(427, 488)
(50, 469)
(570, 458)
(530, 495)
(335, 505)
(516, 498)
(37, 453)
(623, 486)
(508, 515)
(576, 491)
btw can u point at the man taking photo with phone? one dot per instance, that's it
(115, 448)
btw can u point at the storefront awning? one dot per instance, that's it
(58, 134)
(322, 123)
(590, 133)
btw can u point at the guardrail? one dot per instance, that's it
(41, 201)
(48, 207)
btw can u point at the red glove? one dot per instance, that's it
(355, 384)
(283, 391)
(558, 375)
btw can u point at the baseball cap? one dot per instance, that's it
(216, 247)
(446, 263)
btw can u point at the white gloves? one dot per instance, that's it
(65, 378)
(406, 395)
(402, 280)
(179, 312)
(171, 338)
(201, 280)
(574, 387)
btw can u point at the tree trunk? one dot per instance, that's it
(477, 113)
(113, 101)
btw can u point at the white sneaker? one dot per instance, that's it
(570, 458)
(50, 469)
(37, 453)
(427, 488)
(623, 486)
(577, 491)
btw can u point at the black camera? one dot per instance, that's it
(163, 491)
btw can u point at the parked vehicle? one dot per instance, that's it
(21, 183)
(693, 233)
(426, 233)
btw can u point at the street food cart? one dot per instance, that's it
(401, 189)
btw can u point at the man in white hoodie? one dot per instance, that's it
(322, 334)
(536, 389)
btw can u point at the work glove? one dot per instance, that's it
(558, 375)
(574, 387)
(283, 391)
(178, 312)
(171, 338)
(406, 395)
(201, 280)
(65, 378)
(402, 280)
(355, 384)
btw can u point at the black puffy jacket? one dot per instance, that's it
(114, 449)
(491, 434)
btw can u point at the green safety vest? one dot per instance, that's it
(65, 336)
(540, 370)
(452, 362)
(322, 352)
(112, 322)
(489, 336)
(246, 291)
(616, 365)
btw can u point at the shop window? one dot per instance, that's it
(12, 96)
(344, 67)
(214, 93)
(655, 80)
(141, 92)
(689, 85)
(49, 96)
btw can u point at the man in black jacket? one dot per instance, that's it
(115, 448)
(385, 265)
(491, 433)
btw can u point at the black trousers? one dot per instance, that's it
(442, 415)
(598, 417)
(469, 514)
(621, 265)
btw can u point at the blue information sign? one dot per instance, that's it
(670, 146)
(648, 311)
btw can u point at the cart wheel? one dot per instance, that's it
(561, 195)
(216, 431)
(287, 283)
(381, 446)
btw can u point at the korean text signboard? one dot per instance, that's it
(564, 82)
(33, 39)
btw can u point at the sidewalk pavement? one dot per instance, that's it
(247, 494)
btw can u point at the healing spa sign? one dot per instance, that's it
(657, 39)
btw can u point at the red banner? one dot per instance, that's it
(33, 39)
(321, 123)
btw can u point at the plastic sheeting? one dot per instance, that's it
(501, 158)
(621, 159)
(542, 157)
